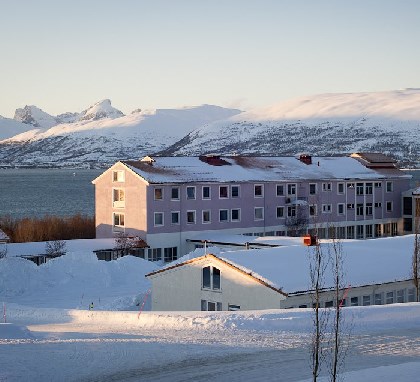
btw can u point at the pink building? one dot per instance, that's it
(168, 201)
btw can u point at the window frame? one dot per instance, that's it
(235, 187)
(220, 215)
(193, 212)
(118, 202)
(172, 191)
(291, 189)
(389, 186)
(202, 192)
(239, 215)
(156, 192)
(225, 194)
(326, 208)
(261, 193)
(175, 213)
(202, 217)
(279, 187)
(255, 213)
(119, 214)
(155, 214)
(342, 205)
(116, 178)
(280, 216)
(194, 192)
(314, 191)
(342, 192)
(326, 186)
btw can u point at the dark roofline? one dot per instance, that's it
(262, 282)
(233, 244)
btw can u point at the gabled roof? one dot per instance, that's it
(238, 268)
(252, 169)
(365, 262)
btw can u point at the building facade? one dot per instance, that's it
(167, 201)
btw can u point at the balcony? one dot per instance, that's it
(119, 204)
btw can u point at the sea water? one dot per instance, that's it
(40, 192)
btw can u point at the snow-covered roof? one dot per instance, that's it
(3, 236)
(365, 262)
(243, 169)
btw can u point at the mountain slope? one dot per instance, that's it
(326, 124)
(102, 135)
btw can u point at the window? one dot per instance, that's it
(223, 192)
(359, 209)
(312, 188)
(312, 210)
(158, 219)
(190, 217)
(359, 188)
(378, 298)
(175, 217)
(389, 297)
(234, 192)
(360, 232)
(291, 189)
(191, 192)
(175, 193)
(206, 192)
(258, 190)
(233, 307)
(369, 209)
(118, 220)
(411, 293)
(326, 186)
(354, 301)
(340, 188)
(118, 176)
(155, 254)
(279, 190)
(350, 185)
(369, 188)
(170, 254)
(389, 187)
(210, 306)
(378, 185)
(350, 232)
(118, 198)
(388, 206)
(158, 193)
(369, 231)
(400, 296)
(365, 300)
(407, 206)
(291, 211)
(378, 205)
(326, 208)
(211, 278)
(329, 304)
(350, 206)
(235, 215)
(340, 208)
(206, 217)
(280, 212)
(223, 215)
(258, 213)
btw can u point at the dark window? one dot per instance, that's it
(341, 188)
(354, 301)
(206, 277)
(216, 278)
(312, 188)
(359, 188)
(408, 224)
(206, 192)
(223, 215)
(407, 206)
(280, 190)
(258, 190)
(280, 212)
(235, 215)
(175, 193)
(369, 188)
(175, 217)
(223, 191)
(234, 191)
(190, 192)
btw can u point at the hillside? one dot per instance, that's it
(326, 124)
(97, 136)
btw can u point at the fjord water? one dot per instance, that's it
(40, 192)
(60, 192)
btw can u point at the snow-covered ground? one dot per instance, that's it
(51, 335)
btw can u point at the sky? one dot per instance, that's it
(65, 55)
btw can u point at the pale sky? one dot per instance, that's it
(65, 55)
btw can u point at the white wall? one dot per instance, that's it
(181, 289)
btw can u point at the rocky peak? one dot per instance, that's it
(100, 110)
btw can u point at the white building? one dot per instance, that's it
(376, 271)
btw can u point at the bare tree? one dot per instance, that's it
(416, 251)
(336, 256)
(124, 243)
(3, 250)
(298, 223)
(55, 248)
(317, 268)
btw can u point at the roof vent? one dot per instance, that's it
(305, 158)
(213, 160)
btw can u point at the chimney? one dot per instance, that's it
(305, 158)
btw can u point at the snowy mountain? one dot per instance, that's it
(99, 135)
(327, 124)
(31, 115)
